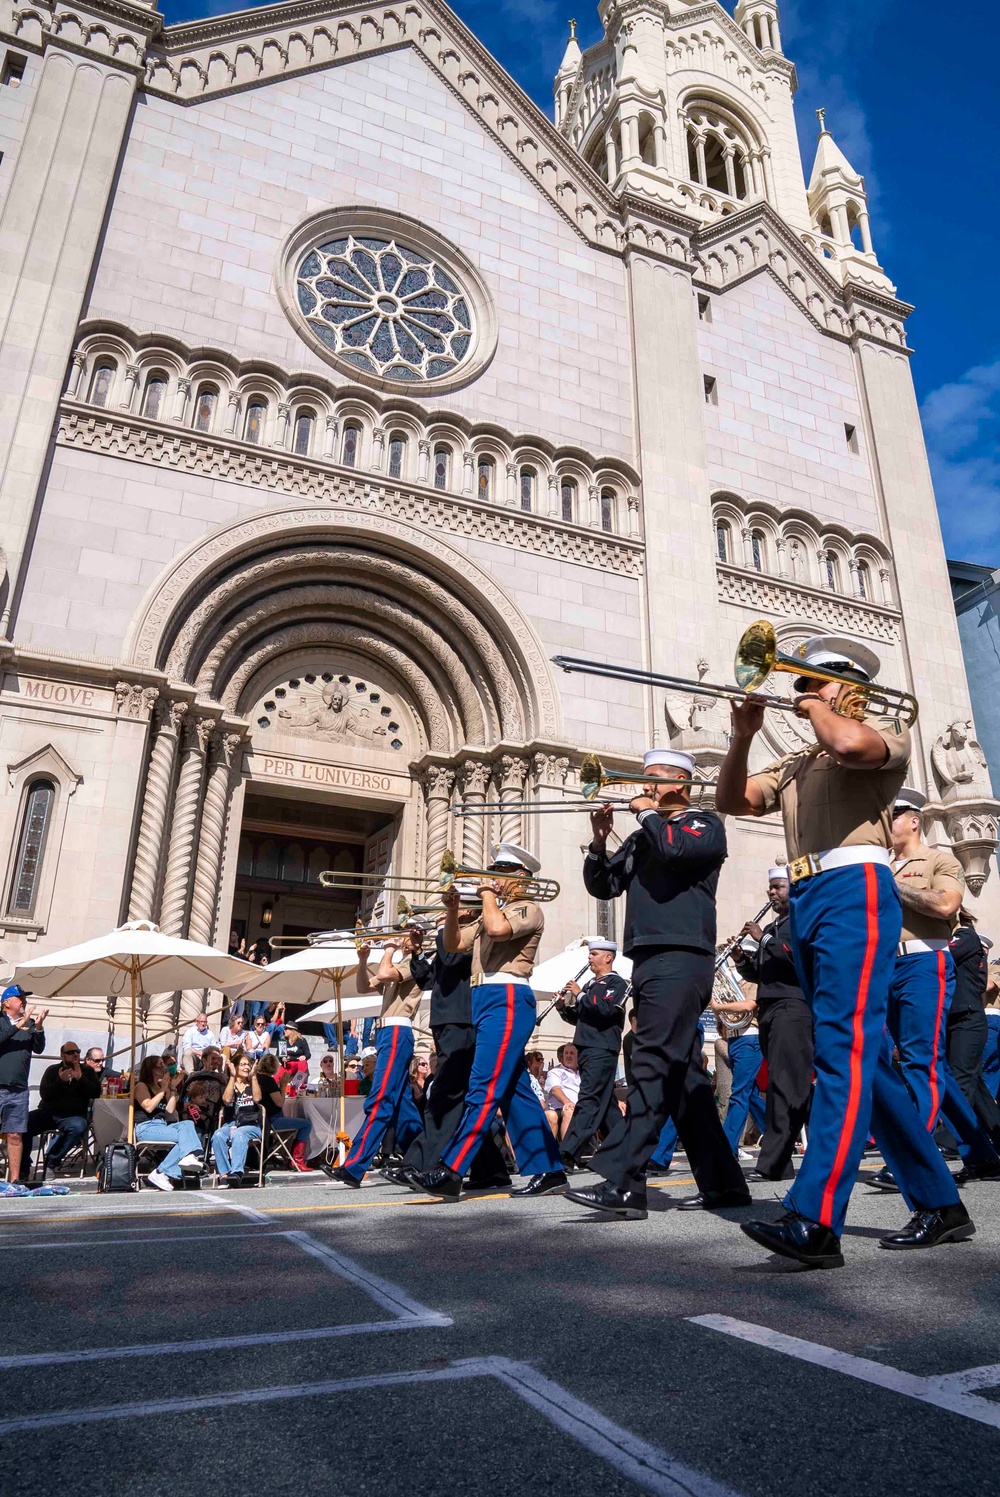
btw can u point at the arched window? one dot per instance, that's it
(832, 572)
(757, 549)
(528, 479)
(350, 445)
(864, 580)
(720, 151)
(609, 509)
(302, 438)
(204, 407)
(723, 541)
(154, 395)
(397, 454)
(442, 465)
(100, 385)
(484, 479)
(567, 500)
(253, 423)
(35, 821)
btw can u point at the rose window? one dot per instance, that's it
(384, 308)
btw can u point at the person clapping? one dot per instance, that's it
(156, 1095)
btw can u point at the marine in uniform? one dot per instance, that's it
(669, 872)
(784, 1025)
(836, 799)
(390, 1102)
(503, 943)
(969, 1024)
(598, 1012)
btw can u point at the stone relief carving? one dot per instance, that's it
(959, 764)
(338, 709)
(135, 701)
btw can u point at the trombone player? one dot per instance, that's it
(836, 799)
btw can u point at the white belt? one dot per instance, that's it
(812, 863)
(396, 1021)
(482, 978)
(911, 948)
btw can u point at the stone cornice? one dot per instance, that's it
(776, 595)
(768, 62)
(274, 471)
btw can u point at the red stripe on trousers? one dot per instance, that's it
(935, 1087)
(857, 1046)
(358, 1148)
(489, 1104)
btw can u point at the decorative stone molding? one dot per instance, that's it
(959, 764)
(135, 701)
(155, 803)
(971, 826)
(223, 763)
(770, 595)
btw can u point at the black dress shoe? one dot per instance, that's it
(569, 1164)
(542, 1185)
(715, 1200)
(340, 1176)
(630, 1205)
(396, 1174)
(760, 1175)
(883, 1181)
(494, 1182)
(970, 1172)
(927, 1228)
(794, 1236)
(655, 1170)
(438, 1182)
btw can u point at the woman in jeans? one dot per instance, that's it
(241, 1119)
(156, 1094)
(272, 1095)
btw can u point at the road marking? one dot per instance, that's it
(650, 1468)
(249, 1212)
(120, 1241)
(389, 1296)
(408, 1200)
(950, 1392)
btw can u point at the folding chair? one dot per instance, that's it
(81, 1151)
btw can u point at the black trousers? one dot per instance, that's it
(596, 1106)
(444, 1102)
(786, 1041)
(670, 988)
(966, 1035)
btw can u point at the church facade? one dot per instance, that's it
(342, 389)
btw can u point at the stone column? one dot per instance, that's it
(423, 460)
(284, 412)
(330, 444)
(595, 506)
(77, 367)
(633, 516)
(513, 497)
(183, 826)
(223, 766)
(511, 775)
(438, 782)
(378, 449)
(555, 507)
(468, 470)
(180, 403)
(234, 411)
(131, 381)
(474, 779)
(155, 804)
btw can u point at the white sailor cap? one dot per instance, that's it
(909, 799)
(509, 855)
(841, 653)
(598, 943)
(669, 758)
(468, 890)
(779, 870)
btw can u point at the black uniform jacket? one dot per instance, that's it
(771, 966)
(448, 974)
(969, 956)
(669, 872)
(598, 1011)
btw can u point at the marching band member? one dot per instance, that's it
(503, 942)
(390, 1100)
(836, 799)
(598, 1011)
(970, 1025)
(784, 1024)
(669, 872)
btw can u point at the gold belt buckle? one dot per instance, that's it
(805, 867)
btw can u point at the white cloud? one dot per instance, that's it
(962, 426)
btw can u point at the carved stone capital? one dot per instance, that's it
(474, 778)
(135, 701)
(511, 772)
(549, 769)
(170, 715)
(439, 781)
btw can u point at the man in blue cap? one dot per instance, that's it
(21, 1037)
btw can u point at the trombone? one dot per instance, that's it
(757, 655)
(360, 933)
(529, 886)
(593, 778)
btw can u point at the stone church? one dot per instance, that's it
(342, 388)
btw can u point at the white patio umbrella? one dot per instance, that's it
(136, 958)
(571, 965)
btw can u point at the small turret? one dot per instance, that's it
(566, 76)
(838, 202)
(759, 19)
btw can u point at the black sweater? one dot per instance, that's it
(17, 1046)
(669, 872)
(69, 1099)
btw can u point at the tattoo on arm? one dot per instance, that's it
(935, 902)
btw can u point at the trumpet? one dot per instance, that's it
(757, 656)
(593, 778)
(538, 890)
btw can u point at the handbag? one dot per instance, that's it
(118, 1172)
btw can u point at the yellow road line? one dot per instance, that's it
(143, 1216)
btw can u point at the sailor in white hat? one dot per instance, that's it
(836, 797)
(669, 871)
(598, 1011)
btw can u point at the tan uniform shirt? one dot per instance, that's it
(932, 869)
(825, 805)
(400, 1000)
(516, 955)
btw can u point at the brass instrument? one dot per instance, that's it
(530, 886)
(726, 980)
(593, 778)
(757, 655)
(359, 933)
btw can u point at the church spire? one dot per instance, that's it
(838, 201)
(568, 69)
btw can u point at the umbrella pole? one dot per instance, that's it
(340, 1046)
(131, 1085)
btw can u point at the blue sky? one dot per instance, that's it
(914, 109)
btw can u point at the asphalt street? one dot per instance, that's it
(303, 1337)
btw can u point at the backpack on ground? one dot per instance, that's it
(118, 1170)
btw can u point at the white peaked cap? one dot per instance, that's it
(829, 650)
(598, 943)
(509, 854)
(780, 870)
(914, 800)
(672, 758)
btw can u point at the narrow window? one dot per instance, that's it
(204, 407)
(30, 847)
(305, 425)
(442, 462)
(484, 479)
(13, 70)
(349, 447)
(832, 573)
(609, 506)
(567, 501)
(527, 488)
(851, 435)
(757, 550)
(397, 454)
(711, 390)
(100, 385)
(722, 540)
(705, 308)
(864, 580)
(153, 396)
(253, 425)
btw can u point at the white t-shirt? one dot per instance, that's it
(233, 1041)
(566, 1080)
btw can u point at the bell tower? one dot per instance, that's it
(838, 205)
(759, 20)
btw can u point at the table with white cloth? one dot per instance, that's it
(109, 1121)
